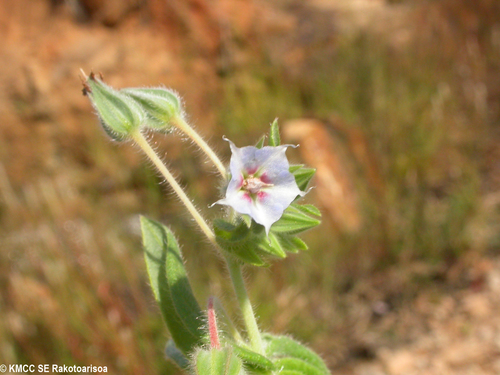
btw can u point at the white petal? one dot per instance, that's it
(276, 200)
(271, 162)
(238, 201)
(250, 158)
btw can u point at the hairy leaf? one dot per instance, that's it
(252, 359)
(293, 357)
(170, 285)
(274, 134)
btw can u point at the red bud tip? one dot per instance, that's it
(212, 325)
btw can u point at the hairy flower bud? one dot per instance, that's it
(218, 361)
(161, 105)
(118, 113)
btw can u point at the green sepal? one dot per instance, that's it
(278, 242)
(160, 104)
(252, 359)
(296, 219)
(235, 240)
(292, 244)
(274, 134)
(308, 209)
(112, 134)
(231, 233)
(303, 175)
(218, 362)
(261, 141)
(247, 241)
(176, 356)
(118, 113)
(293, 357)
(272, 246)
(171, 287)
(250, 223)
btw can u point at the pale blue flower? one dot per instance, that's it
(261, 184)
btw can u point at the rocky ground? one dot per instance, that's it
(442, 330)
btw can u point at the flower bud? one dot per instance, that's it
(118, 113)
(218, 361)
(161, 105)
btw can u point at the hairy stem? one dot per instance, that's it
(139, 139)
(181, 124)
(245, 305)
(233, 267)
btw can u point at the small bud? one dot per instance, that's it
(218, 361)
(161, 105)
(118, 113)
(212, 325)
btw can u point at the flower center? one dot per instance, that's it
(254, 184)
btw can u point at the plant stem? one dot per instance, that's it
(245, 305)
(138, 137)
(189, 131)
(233, 267)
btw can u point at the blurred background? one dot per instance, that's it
(395, 102)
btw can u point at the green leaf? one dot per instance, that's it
(170, 285)
(293, 356)
(235, 239)
(274, 134)
(296, 220)
(297, 365)
(176, 356)
(252, 359)
(303, 175)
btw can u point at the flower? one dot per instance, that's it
(261, 184)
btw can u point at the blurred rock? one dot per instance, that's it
(401, 362)
(463, 352)
(477, 305)
(335, 188)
